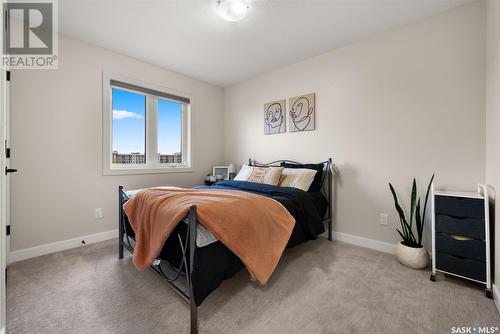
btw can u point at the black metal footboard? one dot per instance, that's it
(188, 248)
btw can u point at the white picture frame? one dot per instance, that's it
(221, 170)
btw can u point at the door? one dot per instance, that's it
(3, 192)
(3, 205)
(7, 169)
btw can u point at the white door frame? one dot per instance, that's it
(3, 238)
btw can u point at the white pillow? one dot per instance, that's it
(301, 178)
(267, 175)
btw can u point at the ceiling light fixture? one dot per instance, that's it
(232, 10)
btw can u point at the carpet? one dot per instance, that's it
(319, 287)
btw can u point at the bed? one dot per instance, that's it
(194, 263)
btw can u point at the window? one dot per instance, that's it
(129, 127)
(169, 131)
(145, 128)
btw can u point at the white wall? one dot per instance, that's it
(407, 103)
(493, 111)
(56, 142)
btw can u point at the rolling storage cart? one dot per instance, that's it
(461, 235)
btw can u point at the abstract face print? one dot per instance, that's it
(302, 111)
(274, 117)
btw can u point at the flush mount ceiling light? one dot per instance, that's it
(232, 10)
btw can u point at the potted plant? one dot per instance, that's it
(410, 251)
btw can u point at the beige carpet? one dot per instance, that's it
(319, 287)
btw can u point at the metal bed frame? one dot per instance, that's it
(188, 247)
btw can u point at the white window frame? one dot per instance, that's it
(152, 165)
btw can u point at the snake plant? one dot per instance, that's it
(406, 230)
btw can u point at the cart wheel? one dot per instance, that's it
(433, 277)
(488, 293)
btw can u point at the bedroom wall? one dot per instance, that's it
(56, 142)
(493, 111)
(406, 103)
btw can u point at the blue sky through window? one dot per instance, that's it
(129, 123)
(169, 126)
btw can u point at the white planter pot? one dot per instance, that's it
(416, 258)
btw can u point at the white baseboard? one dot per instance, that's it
(54, 247)
(496, 296)
(28, 253)
(365, 242)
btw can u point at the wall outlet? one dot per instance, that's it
(98, 213)
(384, 219)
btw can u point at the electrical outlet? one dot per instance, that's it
(384, 219)
(98, 213)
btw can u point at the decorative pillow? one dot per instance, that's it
(318, 178)
(301, 178)
(267, 175)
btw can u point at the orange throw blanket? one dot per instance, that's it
(253, 227)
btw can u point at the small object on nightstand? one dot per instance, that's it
(210, 179)
(221, 172)
(232, 172)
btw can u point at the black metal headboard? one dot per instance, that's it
(326, 183)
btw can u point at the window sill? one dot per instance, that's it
(127, 170)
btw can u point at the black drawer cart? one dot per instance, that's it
(461, 235)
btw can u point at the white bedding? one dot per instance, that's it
(203, 236)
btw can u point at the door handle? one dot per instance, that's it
(10, 170)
